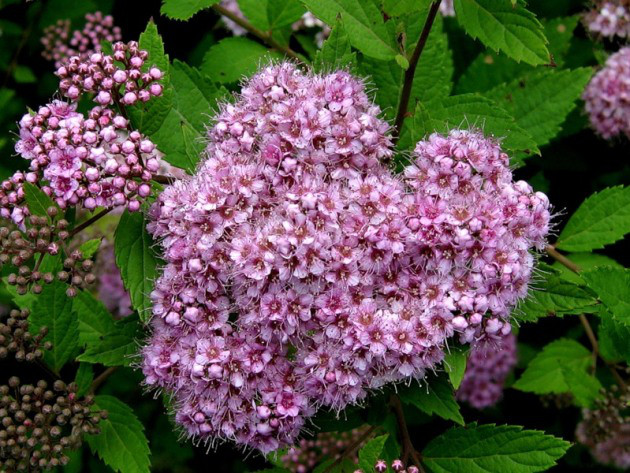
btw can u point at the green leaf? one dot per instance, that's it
(472, 110)
(612, 286)
(24, 75)
(364, 23)
(493, 449)
(137, 260)
(84, 378)
(555, 296)
(541, 102)
(602, 219)
(336, 52)
(37, 200)
(90, 247)
(455, 365)
(585, 261)
(53, 309)
(371, 452)
(561, 367)
(121, 444)
(283, 13)
(502, 26)
(231, 59)
(94, 320)
(256, 12)
(437, 397)
(116, 347)
(184, 9)
(151, 41)
(180, 134)
(613, 338)
(404, 7)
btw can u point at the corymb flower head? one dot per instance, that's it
(302, 273)
(609, 18)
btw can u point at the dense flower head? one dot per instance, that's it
(109, 77)
(605, 429)
(302, 273)
(488, 366)
(609, 18)
(59, 45)
(607, 96)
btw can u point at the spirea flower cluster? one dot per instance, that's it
(488, 367)
(607, 96)
(605, 430)
(302, 273)
(609, 18)
(93, 160)
(59, 46)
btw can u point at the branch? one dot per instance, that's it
(407, 445)
(163, 179)
(566, 262)
(350, 449)
(405, 95)
(265, 36)
(100, 379)
(89, 222)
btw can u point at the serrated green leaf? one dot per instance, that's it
(404, 7)
(555, 295)
(490, 69)
(472, 110)
(53, 309)
(36, 200)
(561, 367)
(493, 449)
(612, 286)
(184, 9)
(151, 41)
(541, 101)
(613, 338)
(283, 13)
(94, 320)
(90, 247)
(122, 444)
(194, 97)
(455, 365)
(84, 378)
(137, 260)
(585, 261)
(231, 59)
(505, 27)
(371, 452)
(336, 52)
(437, 397)
(364, 23)
(602, 219)
(116, 347)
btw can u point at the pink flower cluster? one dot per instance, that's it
(59, 46)
(607, 96)
(488, 366)
(609, 18)
(102, 76)
(97, 160)
(301, 273)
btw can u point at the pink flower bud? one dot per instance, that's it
(155, 73)
(129, 98)
(156, 89)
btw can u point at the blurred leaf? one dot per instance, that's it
(184, 9)
(23, 75)
(371, 452)
(506, 27)
(90, 247)
(94, 320)
(53, 309)
(336, 52)
(455, 365)
(436, 397)
(612, 286)
(121, 444)
(561, 367)
(541, 102)
(364, 24)
(602, 219)
(493, 449)
(137, 260)
(116, 347)
(84, 378)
